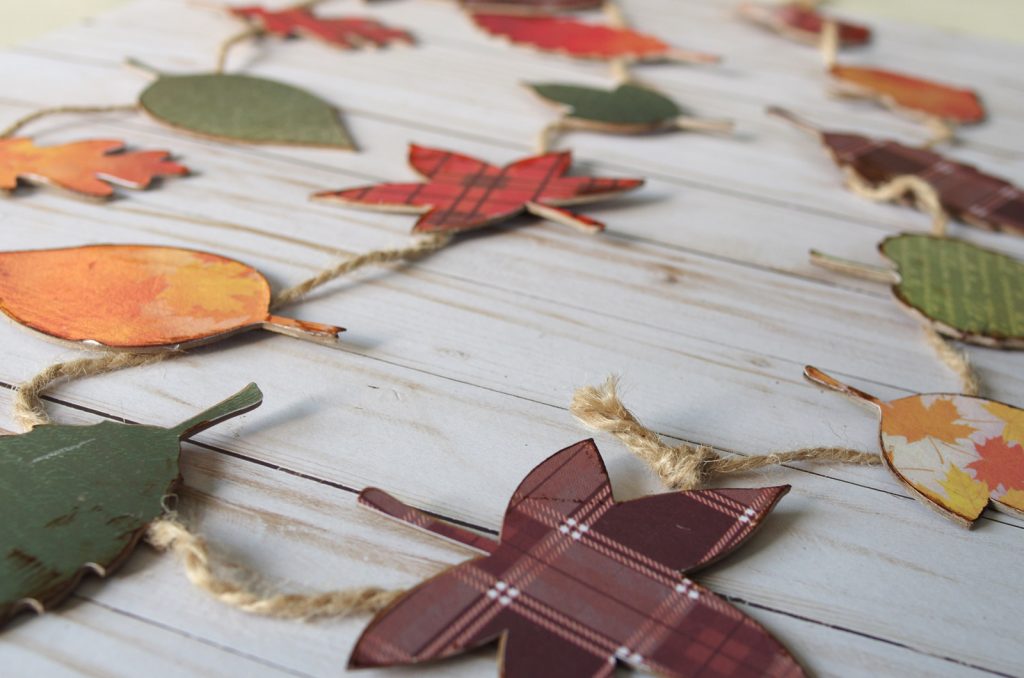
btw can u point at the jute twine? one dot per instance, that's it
(16, 126)
(687, 466)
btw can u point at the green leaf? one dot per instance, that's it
(625, 106)
(973, 291)
(78, 498)
(244, 108)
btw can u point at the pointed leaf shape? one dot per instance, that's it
(967, 292)
(140, 297)
(626, 109)
(579, 582)
(802, 24)
(246, 109)
(541, 7)
(343, 32)
(584, 41)
(76, 499)
(948, 450)
(902, 92)
(463, 193)
(84, 167)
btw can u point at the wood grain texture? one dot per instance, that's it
(699, 293)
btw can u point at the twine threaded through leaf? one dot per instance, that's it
(16, 126)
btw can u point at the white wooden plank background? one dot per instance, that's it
(454, 378)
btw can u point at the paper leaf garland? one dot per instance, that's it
(140, 297)
(801, 23)
(346, 33)
(967, 194)
(84, 167)
(627, 109)
(914, 95)
(584, 41)
(955, 453)
(463, 193)
(542, 7)
(76, 499)
(245, 109)
(579, 582)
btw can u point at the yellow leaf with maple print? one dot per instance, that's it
(1014, 418)
(965, 496)
(910, 418)
(1014, 499)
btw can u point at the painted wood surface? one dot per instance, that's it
(700, 294)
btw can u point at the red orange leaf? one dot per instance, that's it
(347, 33)
(529, 6)
(85, 167)
(910, 418)
(1001, 464)
(900, 91)
(464, 193)
(584, 41)
(802, 23)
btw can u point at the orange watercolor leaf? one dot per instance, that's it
(85, 167)
(904, 92)
(343, 32)
(140, 297)
(584, 41)
(910, 418)
(1000, 464)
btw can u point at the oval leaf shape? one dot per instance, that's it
(627, 108)
(245, 109)
(916, 95)
(139, 296)
(968, 292)
(78, 498)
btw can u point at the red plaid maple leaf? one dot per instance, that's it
(349, 33)
(579, 583)
(462, 193)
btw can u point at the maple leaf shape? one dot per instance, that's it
(1014, 418)
(966, 496)
(584, 41)
(347, 33)
(464, 193)
(84, 167)
(1014, 499)
(1001, 464)
(579, 582)
(908, 417)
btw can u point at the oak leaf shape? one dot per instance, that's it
(344, 32)
(803, 24)
(626, 109)
(140, 297)
(84, 167)
(579, 582)
(1001, 464)
(912, 419)
(76, 499)
(463, 193)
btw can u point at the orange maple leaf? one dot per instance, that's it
(1001, 464)
(908, 417)
(85, 167)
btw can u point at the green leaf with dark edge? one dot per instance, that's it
(627, 106)
(78, 498)
(972, 293)
(246, 109)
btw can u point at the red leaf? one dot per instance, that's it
(802, 23)
(347, 33)
(900, 91)
(85, 167)
(584, 41)
(530, 6)
(1001, 464)
(579, 582)
(464, 193)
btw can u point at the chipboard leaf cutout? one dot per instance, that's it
(966, 193)
(584, 41)
(579, 583)
(76, 499)
(342, 32)
(141, 297)
(803, 24)
(245, 109)
(541, 7)
(908, 94)
(87, 168)
(955, 453)
(462, 193)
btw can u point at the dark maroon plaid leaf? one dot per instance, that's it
(579, 583)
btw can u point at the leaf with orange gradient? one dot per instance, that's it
(910, 418)
(140, 297)
(85, 167)
(343, 32)
(1014, 418)
(584, 41)
(1001, 464)
(965, 496)
(904, 92)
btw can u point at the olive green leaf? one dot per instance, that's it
(970, 292)
(77, 498)
(244, 108)
(626, 106)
